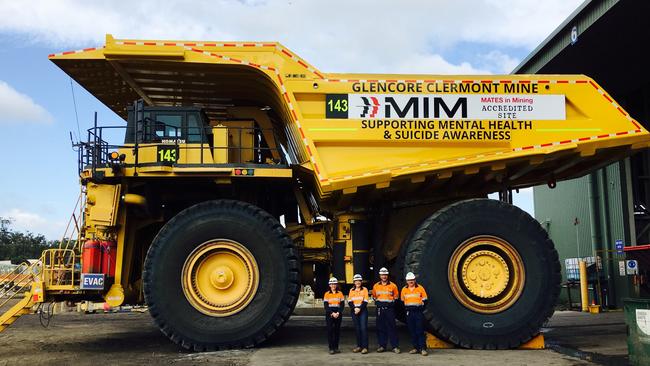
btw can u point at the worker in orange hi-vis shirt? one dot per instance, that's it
(414, 298)
(358, 301)
(385, 294)
(334, 301)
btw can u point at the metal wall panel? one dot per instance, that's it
(564, 212)
(577, 232)
(588, 14)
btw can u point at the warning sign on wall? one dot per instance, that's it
(643, 321)
(632, 267)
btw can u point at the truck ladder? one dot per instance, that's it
(55, 269)
(22, 307)
(17, 283)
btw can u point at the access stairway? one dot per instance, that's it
(19, 282)
(22, 307)
(27, 284)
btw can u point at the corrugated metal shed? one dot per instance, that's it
(582, 18)
(587, 216)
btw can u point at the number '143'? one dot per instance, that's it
(339, 105)
(167, 155)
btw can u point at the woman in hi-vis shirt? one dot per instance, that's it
(334, 300)
(358, 302)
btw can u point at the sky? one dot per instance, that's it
(38, 177)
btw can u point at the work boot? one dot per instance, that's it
(331, 352)
(356, 349)
(380, 349)
(364, 351)
(413, 351)
(396, 350)
(424, 352)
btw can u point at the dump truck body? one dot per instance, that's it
(397, 127)
(222, 140)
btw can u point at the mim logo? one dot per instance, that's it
(408, 106)
(425, 107)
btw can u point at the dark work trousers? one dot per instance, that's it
(415, 321)
(361, 327)
(333, 330)
(386, 327)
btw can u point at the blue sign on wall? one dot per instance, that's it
(92, 281)
(619, 246)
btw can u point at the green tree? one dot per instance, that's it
(18, 246)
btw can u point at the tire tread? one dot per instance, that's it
(290, 296)
(435, 222)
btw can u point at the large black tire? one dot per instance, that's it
(428, 256)
(269, 244)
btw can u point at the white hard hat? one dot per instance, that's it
(383, 270)
(357, 277)
(410, 276)
(333, 281)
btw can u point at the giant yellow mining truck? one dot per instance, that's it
(240, 173)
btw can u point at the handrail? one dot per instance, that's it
(23, 284)
(95, 153)
(75, 229)
(19, 291)
(18, 270)
(12, 276)
(58, 263)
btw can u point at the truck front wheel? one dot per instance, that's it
(221, 274)
(491, 271)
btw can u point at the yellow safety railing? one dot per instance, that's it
(13, 278)
(58, 268)
(17, 282)
(70, 238)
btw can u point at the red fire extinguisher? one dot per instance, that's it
(91, 257)
(109, 257)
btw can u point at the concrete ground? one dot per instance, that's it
(132, 339)
(600, 338)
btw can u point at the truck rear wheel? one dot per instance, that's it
(491, 271)
(221, 274)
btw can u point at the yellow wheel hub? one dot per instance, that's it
(486, 274)
(220, 277)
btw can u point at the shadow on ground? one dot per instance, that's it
(133, 339)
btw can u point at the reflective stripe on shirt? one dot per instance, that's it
(358, 297)
(385, 293)
(414, 297)
(333, 299)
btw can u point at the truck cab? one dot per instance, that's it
(186, 135)
(169, 125)
(168, 138)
